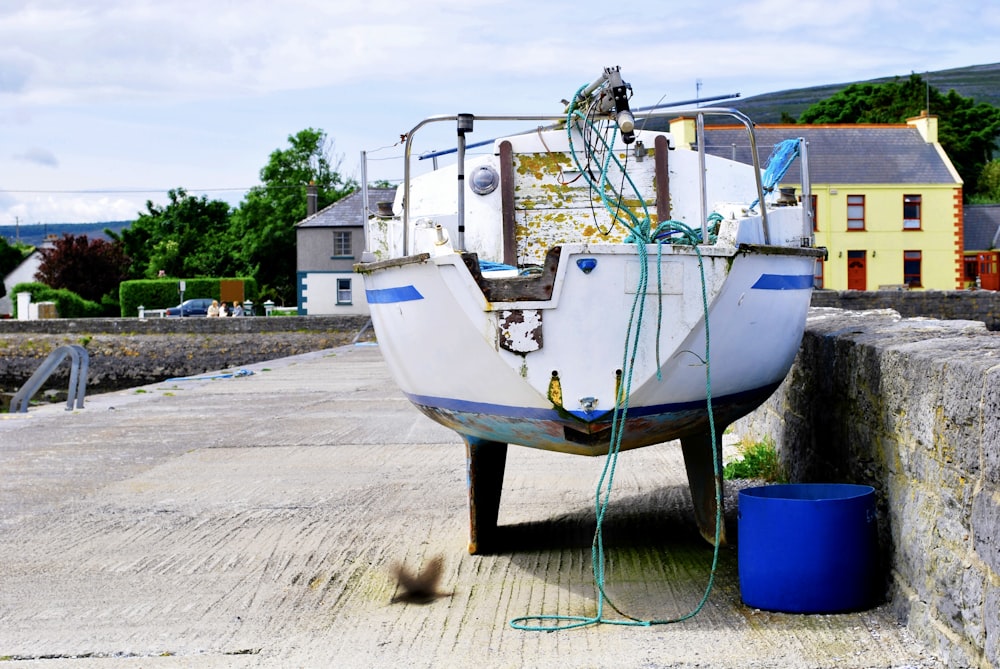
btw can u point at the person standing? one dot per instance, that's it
(213, 309)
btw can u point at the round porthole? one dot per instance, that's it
(484, 180)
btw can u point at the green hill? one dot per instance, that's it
(979, 82)
(35, 234)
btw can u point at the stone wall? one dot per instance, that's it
(136, 326)
(912, 408)
(127, 352)
(975, 305)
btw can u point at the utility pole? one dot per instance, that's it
(927, 92)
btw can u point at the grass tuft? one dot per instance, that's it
(759, 460)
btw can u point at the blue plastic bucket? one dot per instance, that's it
(808, 547)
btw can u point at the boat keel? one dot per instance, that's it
(485, 462)
(702, 470)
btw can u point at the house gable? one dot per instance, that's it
(333, 238)
(328, 243)
(23, 273)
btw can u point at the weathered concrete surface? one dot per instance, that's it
(250, 522)
(911, 407)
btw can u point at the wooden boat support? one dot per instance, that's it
(486, 461)
(703, 468)
(485, 464)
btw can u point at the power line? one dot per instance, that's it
(136, 191)
(124, 191)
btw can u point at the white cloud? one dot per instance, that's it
(197, 93)
(74, 208)
(39, 157)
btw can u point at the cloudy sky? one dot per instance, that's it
(105, 104)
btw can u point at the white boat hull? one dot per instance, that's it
(647, 289)
(445, 344)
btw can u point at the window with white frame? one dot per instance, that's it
(344, 293)
(855, 212)
(342, 244)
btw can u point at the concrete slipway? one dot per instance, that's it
(252, 521)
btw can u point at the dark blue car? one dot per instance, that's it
(196, 307)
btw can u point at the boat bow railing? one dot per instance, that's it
(465, 124)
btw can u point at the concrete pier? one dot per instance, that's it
(253, 521)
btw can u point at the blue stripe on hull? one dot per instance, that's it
(391, 295)
(784, 282)
(464, 406)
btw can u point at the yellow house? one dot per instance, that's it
(887, 199)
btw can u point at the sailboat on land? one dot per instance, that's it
(591, 286)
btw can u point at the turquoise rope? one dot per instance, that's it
(642, 234)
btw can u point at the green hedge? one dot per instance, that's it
(163, 293)
(68, 303)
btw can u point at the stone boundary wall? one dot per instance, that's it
(136, 326)
(128, 352)
(910, 406)
(975, 305)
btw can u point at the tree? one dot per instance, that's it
(989, 184)
(967, 131)
(189, 237)
(264, 223)
(90, 268)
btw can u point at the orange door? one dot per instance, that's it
(989, 276)
(857, 278)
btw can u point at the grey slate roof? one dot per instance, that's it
(348, 211)
(844, 154)
(981, 227)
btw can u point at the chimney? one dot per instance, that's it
(312, 197)
(926, 125)
(683, 132)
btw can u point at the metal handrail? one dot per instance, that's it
(79, 367)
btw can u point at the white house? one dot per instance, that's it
(23, 273)
(328, 243)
